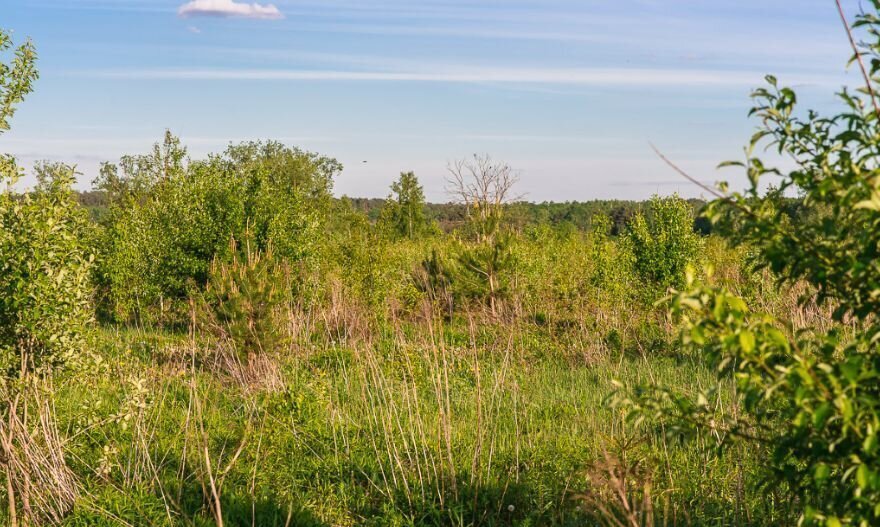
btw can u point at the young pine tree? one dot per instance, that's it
(485, 257)
(403, 214)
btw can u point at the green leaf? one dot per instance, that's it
(863, 476)
(821, 473)
(871, 442)
(870, 204)
(822, 413)
(747, 341)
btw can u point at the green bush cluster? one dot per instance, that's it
(663, 243)
(170, 218)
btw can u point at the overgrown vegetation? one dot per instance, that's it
(805, 398)
(45, 315)
(221, 342)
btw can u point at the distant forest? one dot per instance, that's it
(520, 215)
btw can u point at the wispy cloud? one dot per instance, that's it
(560, 76)
(526, 138)
(229, 8)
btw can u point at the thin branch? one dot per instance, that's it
(858, 57)
(687, 176)
(723, 197)
(742, 208)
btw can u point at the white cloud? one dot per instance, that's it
(557, 76)
(229, 8)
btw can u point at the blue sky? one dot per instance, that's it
(569, 92)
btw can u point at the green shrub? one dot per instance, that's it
(170, 219)
(663, 243)
(403, 215)
(16, 78)
(483, 269)
(45, 294)
(433, 278)
(808, 400)
(167, 222)
(45, 291)
(612, 261)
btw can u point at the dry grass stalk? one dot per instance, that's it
(38, 480)
(620, 492)
(345, 321)
(211, 473)
(259, 372)
(412, 427)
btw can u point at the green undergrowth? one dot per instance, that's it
(480, 428)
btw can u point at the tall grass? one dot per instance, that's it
(390, 412)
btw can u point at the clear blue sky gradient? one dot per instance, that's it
(569, 92)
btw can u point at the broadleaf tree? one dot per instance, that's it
(45, 310)
(807, 400)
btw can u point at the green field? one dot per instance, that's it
(221, 340)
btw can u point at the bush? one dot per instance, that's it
(664, 242)
(170, 219)
(433, 278)
(16, 79)
(482, 270)
(808, 400)
(45, 291)
(403, 214)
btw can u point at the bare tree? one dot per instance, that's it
(482, 184)
(484, 187)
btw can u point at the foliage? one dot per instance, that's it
(403, 214)
(357, 435)
(522, 215)
(16, 78)
(484, 257)
(808, 398)
(664, 243)
(612, 263)
(166, 224)
(434, 279)
(44, 264)
(389, 415)
(45, 293)
(16, 82)
(242, 300)
(286, 194)
(464, 420)
(169, 219)
(483, 269)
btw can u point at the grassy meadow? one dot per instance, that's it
(377, 409)
(222, 341)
